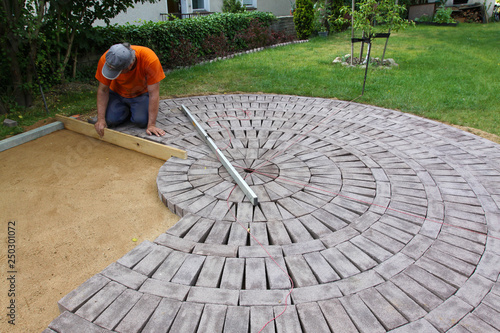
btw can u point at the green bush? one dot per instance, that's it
(190, 35)
(232, 6)
(443, 15)
(303, 18)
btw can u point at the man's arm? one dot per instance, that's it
(154, 104)
(102, 104)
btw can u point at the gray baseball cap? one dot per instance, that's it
(118, 58)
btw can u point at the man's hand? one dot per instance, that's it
(100, 125)
(155, 130)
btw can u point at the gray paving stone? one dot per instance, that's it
(100, 301)
(359, 282)
(151, 261)
(315, 293)
(187, 318)
(430, 281)
(425, 298)
(401, 301)
(73, 300)
(337, 317)
(321, 268)
(303, 247)
(200, 231)
(339, 237)
(474, 290)
(69, 322)
(213, 295)
(420, 325)
(170, 266)
(488, 315)
(417, 246)
(264, 297)
(278, 234)
(165, 289)
(118, 309)
(458, 252)
(261, 319)
(312, 318)
(475, 324)
(233, 273)
(277, 276)
(258, 234)
(343, 266)
(219, 233)
(255, 273)
(394, 265)
(136, 319)
(189, 270)
(287, 319)
(137, 254)
(450, 276)
(361, 315)
(163, 316)
(357, 256)
(237, 319)
(238, 234)
(388, 316)
(300, 272)
(212, 319)
(175, 243)
(489, 266)
(449, 313)
(450, 261)
(372, 249)
(229, 251)
(258, 251)
(211, 272)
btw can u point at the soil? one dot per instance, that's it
(79, 204)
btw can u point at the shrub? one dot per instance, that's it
(183, 53)
(303, 17)
(184, 42)
(232, 6)
(215, 46)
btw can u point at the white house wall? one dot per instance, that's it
(141, 12)
(277, 7)
(151, 11)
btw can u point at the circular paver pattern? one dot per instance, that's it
(369, 220)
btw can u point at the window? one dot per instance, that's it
(198, 4)
(250, 3)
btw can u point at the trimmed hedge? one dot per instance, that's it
(188, 41)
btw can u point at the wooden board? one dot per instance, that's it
(123, 140)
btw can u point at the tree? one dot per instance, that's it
(372, 17)
(232, 6)
(22, 22)
(303, 18)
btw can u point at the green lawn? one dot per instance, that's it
(450, 74)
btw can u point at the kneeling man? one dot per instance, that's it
(129, 88)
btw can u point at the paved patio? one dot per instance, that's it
(369, 220)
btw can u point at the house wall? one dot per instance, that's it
(277, 7)
(151, 12)
(141, 12)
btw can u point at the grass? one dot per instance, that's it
(449, 74)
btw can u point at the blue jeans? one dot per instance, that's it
(120, 108)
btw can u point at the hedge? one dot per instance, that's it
(187, 41)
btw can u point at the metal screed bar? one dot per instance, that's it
(229, 167)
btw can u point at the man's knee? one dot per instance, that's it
(140, 110)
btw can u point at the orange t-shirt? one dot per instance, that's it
(147, 71)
